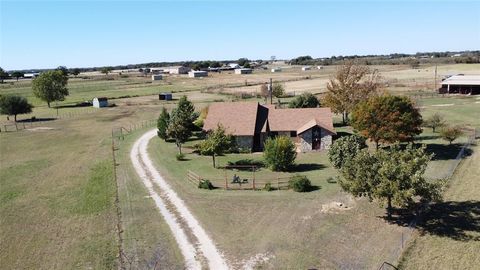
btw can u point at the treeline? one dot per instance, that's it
(467, 57)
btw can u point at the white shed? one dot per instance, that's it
(277, 69)
(306, 68)
(176, 70)
(197, 74)
(100, 102)
(243, 71)
(157, 77)
(319, 67)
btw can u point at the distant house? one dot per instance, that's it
(306, 68)
(156, 70)
(252, 123)
(100, 102)
(197, 73)
(233, 65)
(461, 84)
(277, 69)
(31, 75)
(243, 71)
(165, 96)
(176, 70)
(157, 77)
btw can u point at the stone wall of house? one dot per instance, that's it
(326, 140)
(305, 142)
(244, 142)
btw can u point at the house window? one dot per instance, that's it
(293, 134)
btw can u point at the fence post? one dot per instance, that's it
(253, 168)
(278, 184)
(226, 181)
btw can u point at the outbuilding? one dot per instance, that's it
(277, 69)
(461, 84)
(165, 96)
(197, 73)
(243, 71)
(157, 77)
(176, 70)
(100, 102)
(306, 68)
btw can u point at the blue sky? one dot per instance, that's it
(97, 33)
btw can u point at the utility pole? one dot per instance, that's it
(270, 91)
(435, 78)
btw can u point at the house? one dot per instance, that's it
(100, 102)
(31, 75)
(157, 77)
(277, 69)
(156, 70)
(233, 65)
(243, 71)
(176, 70)
(306, 68)
(252, 123)
(197, 73)
(165, 96)
(461, 84)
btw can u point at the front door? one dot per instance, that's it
(316, 138)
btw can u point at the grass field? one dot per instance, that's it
(57, 192)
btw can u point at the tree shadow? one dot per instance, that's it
(36, 119)
(341, 134)
(426, 137)
(305, 167)
(457, 220)
(446, 152)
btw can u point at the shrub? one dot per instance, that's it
(279, 153)
(180, 156)
(451, 133)
(205, 184)
(268, 187)
(300, 183)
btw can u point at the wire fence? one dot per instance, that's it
(407, 234)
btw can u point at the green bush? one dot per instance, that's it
(279, 153)
(268, 187)
(299, 183)
(180, 157)
(205, 184)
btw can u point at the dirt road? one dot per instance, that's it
(196, 246)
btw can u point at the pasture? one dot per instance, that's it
(58, 191)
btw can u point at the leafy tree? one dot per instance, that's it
(345, 149)
(217, 143)
(75, 72)
(13, 105)
(3, 75)
(64, 70)
(451, 133)
(242, 61)
(387, 119)
(50, 86)
(305, 100)
(247, 65)
(350, 85)
(279, 153)
(17, 74)
(106, 70)
(435, 121)
(278, 90)
(264, 91)
(394, 176)
(414, 63)
(215, 64)
(180, 125)
(162, 124)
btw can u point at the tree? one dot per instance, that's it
(247, 65)
(64, 70)
(75, 72)
(278, 90)
(13, 105)
(387, 119)
(305, 100)
(279, 153)
(106, 70)
(264, 91)
(217, 143)
(394, 176)
(215, 64)
(350, 85)
(451, 133)
(162, 124)
(17, 74)
(180, 125)
(3, 75)
(414, 63)
(435, 121)
(50, 86)
(242, 61)
(345, 149)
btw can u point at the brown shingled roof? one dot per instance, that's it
(295, 119)
(238, 118)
